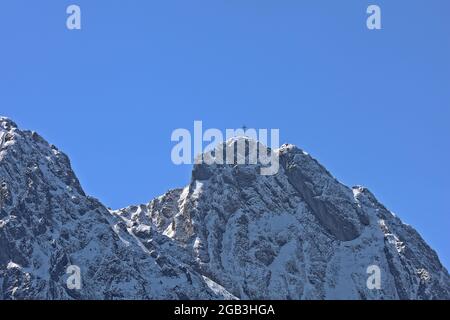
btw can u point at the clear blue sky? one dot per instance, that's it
(373, 107)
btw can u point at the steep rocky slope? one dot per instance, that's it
(231, 233)
(299, 234)
(47, 223)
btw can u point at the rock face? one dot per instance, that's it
(230, 234)
(47, 223)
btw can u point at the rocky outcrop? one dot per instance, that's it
(47, 224)
(232, 233)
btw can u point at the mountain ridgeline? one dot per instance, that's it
(230, 234)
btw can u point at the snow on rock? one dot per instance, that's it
(47, 223)
(230, 234)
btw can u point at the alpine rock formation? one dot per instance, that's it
(230, 234)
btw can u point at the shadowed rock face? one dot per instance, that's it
(343, 225)
(231, 233)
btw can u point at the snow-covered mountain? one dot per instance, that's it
(230, 234)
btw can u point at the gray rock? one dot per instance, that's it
(231, 233)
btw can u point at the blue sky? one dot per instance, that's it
(372, 106)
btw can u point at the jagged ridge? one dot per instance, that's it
(231, 233)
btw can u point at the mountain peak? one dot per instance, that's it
(7, 123)
(230, 234)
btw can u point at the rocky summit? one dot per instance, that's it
(230, 234)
